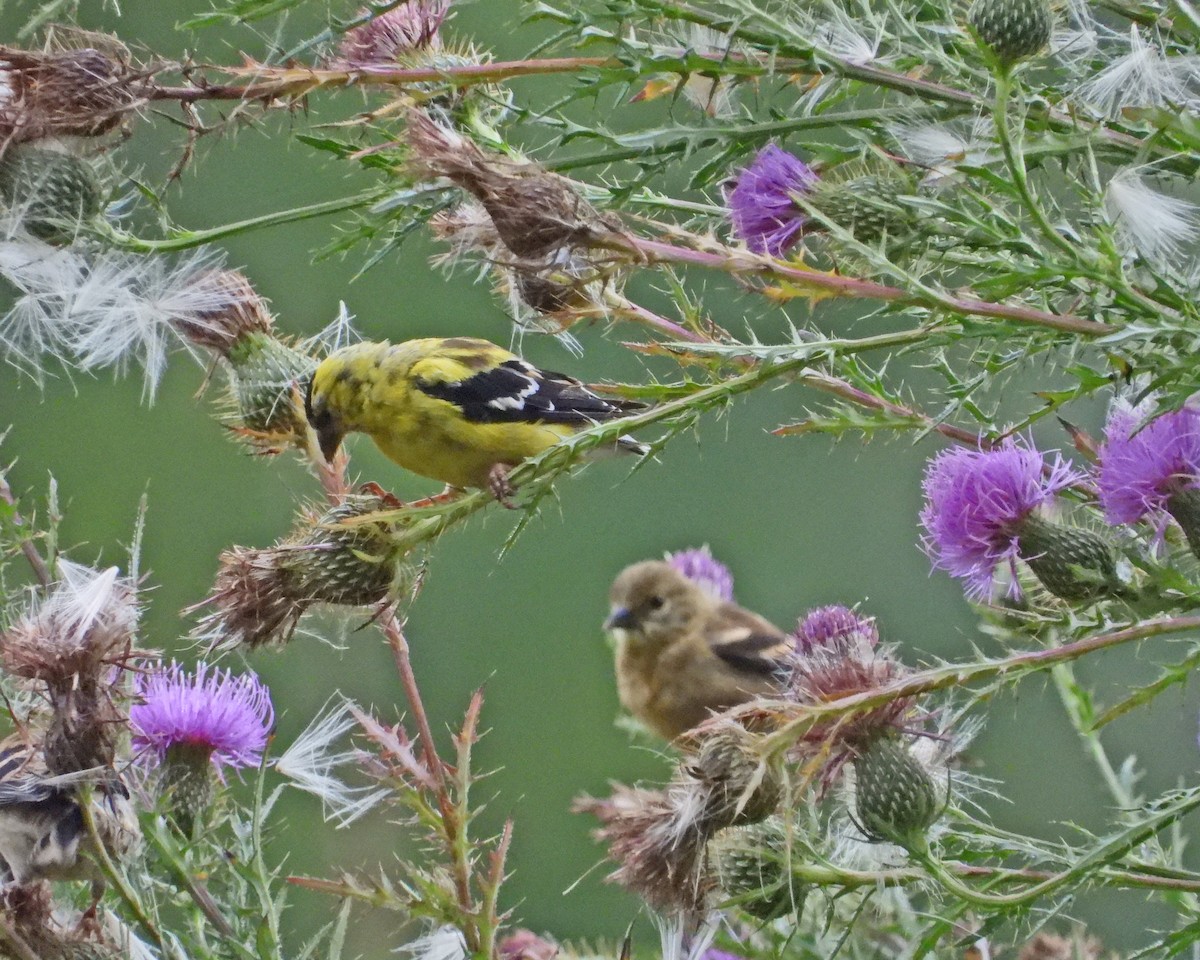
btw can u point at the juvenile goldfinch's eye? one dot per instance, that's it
(655, 603)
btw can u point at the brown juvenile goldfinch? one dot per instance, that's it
(683, 653)
(459, 410)
(42, 833)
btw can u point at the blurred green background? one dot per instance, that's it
(801, 522)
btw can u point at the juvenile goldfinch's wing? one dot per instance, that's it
(514, 391)
(19, 781)
(748, 643)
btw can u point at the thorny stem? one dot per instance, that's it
(262, 875)
(1066, 685)
(188, 239)
(392, 630)
(40, 570)
(298, 81)
(194, 886)
(333, 480)
(117, 879)
(843, 388)
(742, 262)
(1098, 856)
(1015, 160)
(803, 716)
(823, 875)
(285, 82)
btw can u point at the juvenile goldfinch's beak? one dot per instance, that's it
(620, 619)
(329, 438)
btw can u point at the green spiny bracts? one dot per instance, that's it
(260, 595)
(186, 780)
(349, 565)
(1185, 508)
(54, 193)
(1012, 29)
(867, 206)
(752, 872)
(740, 786)
(475, 107)
(1074, 564)
(268, 379)
(896, 799)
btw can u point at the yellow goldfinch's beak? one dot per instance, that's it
(330, 438)
(620, 619)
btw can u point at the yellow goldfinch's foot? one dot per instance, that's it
(500, 486)
(390, 500)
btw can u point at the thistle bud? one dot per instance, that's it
(54, 193)
(1184, 506)
(1074, 564)
(260, 595)
(866, 206)
(1012, 29)
(895, 797)
(186, 781)
(266, 374)
(739, 785)
(751, 870)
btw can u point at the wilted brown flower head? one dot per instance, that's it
(383, 39)
(260, 595)
(87, 621)
(535, 213)
(658, 837)
(566, 282)
(231, 308)
(82, 93)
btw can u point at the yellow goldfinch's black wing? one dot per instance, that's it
(748, 643)
(518, 392)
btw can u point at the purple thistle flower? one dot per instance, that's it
(1144, 464)
(715, 953)
(383, 39)
(762, 205)
(976, 502)
(826, 626)
(227, 715)
(699, 566)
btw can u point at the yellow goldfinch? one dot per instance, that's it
(459, 410)
(683, 653)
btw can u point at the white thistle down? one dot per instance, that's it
(842, 38)
(94, 310)
(339, 332)
(1150, 224)
(312, 760)
(715, 96)
(85, 599)
(129, 304)
(444, 943)
(46, 279)
(942, 148)
(1143, 77)
(1075, 43)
